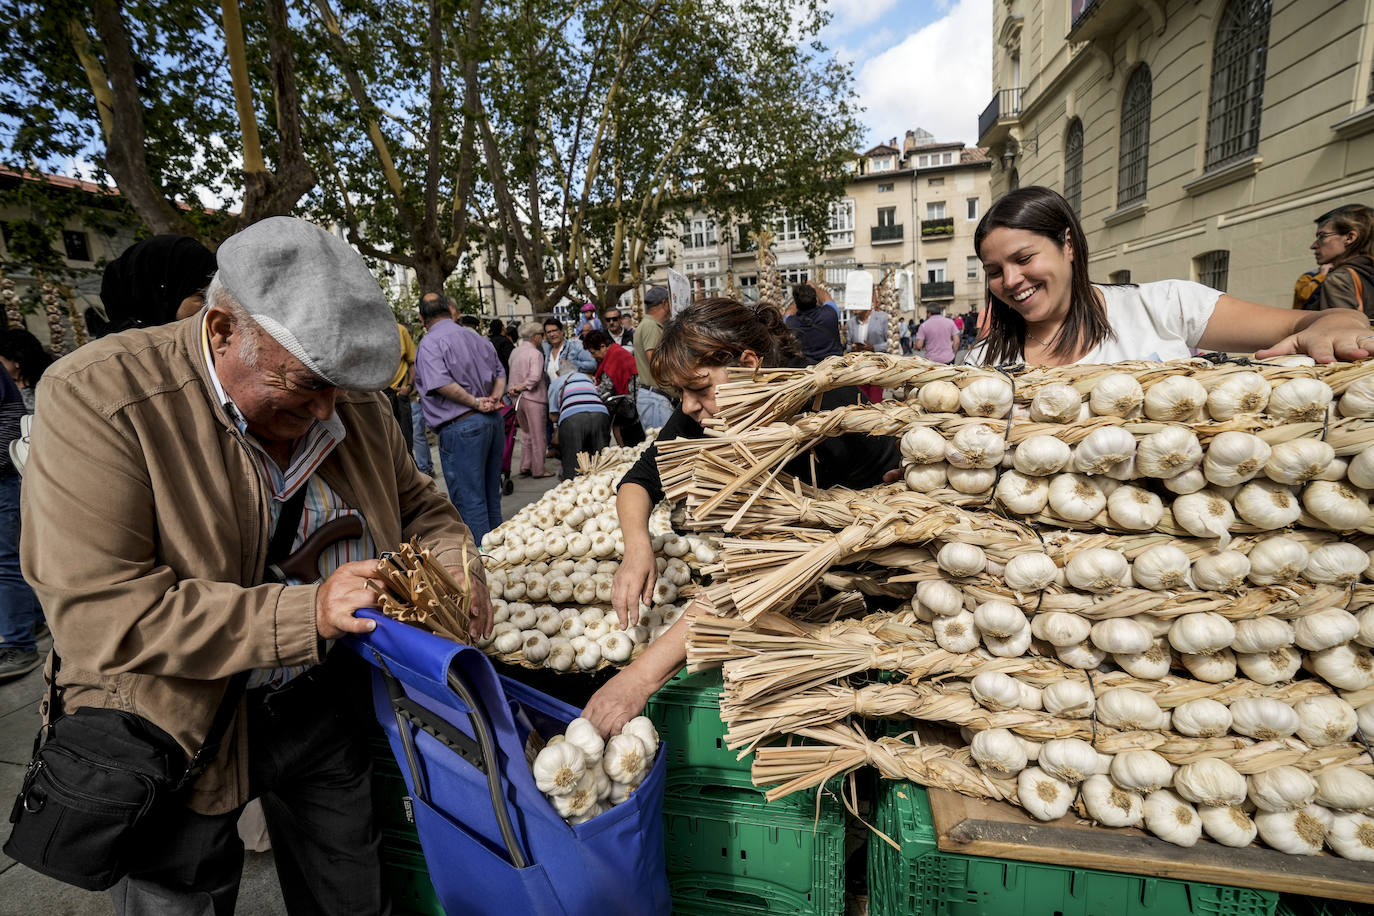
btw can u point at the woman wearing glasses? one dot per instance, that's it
(1344, 243)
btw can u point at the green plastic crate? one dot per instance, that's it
(923, 881)
(407, 878)
(1297, 905)
(731, 859)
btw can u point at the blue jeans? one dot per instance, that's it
(423, 459)
(470, 450)
(654, 408)
(19, 609)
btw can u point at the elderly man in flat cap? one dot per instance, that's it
(163, 464)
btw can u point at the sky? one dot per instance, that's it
(917, 63)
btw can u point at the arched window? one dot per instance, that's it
(1237, 97)
(1073, 165)
(1134, 166)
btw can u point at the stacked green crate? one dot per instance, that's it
(920, 880)
(403, 861)
(729, 851)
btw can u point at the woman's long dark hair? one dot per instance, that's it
(716, 332)
(22, 348)
(1042, 211)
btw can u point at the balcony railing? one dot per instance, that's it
(886, 234)
(943, 289)
(1005, 104)
(841, 238)
(943, 227)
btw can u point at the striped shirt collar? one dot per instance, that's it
(308, 452)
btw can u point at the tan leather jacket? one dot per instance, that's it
(146, 528)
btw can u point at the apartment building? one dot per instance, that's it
(1197, 138)
(909, 205)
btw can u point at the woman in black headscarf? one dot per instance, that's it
(153, 282)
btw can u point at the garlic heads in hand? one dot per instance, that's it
(1171, 818)
(1111, 805)
(625, 759)
(583, 735)
(1041, 795)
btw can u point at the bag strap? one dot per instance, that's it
(1359, 287)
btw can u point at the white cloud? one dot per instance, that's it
(850, 14)
(938, 78)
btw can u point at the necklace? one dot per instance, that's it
(1043, 343)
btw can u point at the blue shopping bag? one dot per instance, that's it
(492, 841)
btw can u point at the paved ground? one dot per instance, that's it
(24, 892)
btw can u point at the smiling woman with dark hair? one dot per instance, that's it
(1045, 311)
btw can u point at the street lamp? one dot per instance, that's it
(1013, 147)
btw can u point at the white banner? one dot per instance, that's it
(858, 291)
(679, 292)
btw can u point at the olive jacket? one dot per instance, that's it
(146, 528)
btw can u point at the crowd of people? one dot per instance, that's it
(236, 414)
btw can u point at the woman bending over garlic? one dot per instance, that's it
(1045, 311)
(697, 347)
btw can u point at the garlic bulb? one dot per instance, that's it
(1116, 395)
(616, 647)
(973, 481)
(642, 727)
(987, 396)
(1188, 481)
(1070, 759)
(1022, 494)
(1141, 771)
(1366, 618)
(1013, 646)
(1297, 461)
(1029, 572)
(1345, 789)
(1324, 629)
(1060, 628)
(1300, 400)
(998, 752)
(1175, 397)
(1336, 504)
(922, 478)
(1121, 635)
(1228, 825)
(1130, 710)
(1358, 399)
(1084, 656)
(996, 691)
(1262, 634)
(1000, 619)
(1167, 453)
(624, 759)
(1210, 781)
(1272, 667)
(1347, 667)
(561, 655)
(548, 621)
(956, 634)
(1212, 667)
(1296, 832)
(1076, 497)
(1171, 818)
(1103, 449)
(1220, 570)
(1277, 560)
(1041, 795)
(1324, 720)
(1150, 665)
(939, 397)
(1163, 567)
(1335, 564)
(1351, 836)
(1361, 470)
(1041, 456)
(1237, 393)
(509, 641)
(976, 445)
(578, 803)
(1365, 716)
(583, 735)
(1203, 632)
(1234, 457)
(1056, 403)
(535, 646)
(558, 768)
(1109, 805)
(1135, 508)
(1205, 514)
(588, 654)
(940, 597)
(1068, 699)
(1097, 569)
(1263, 718)
(961, 560)
(1202, 718)
(1267, 505)
(923, 445)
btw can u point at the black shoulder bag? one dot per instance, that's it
(102, 779)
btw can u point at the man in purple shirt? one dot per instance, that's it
(461, 382)
(938, 337)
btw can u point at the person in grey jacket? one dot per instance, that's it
(868, 331)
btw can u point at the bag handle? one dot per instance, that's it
(1359, 287)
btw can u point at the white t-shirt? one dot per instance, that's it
(1152, 321)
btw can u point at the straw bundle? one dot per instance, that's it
(414, 588)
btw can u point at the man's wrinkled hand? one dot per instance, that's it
(344, 592)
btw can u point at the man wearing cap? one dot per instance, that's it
(164, 461)
(655, 405)
(461, 384)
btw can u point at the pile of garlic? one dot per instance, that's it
(550, 570)
(583, 776)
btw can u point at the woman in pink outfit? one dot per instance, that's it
(527, 380)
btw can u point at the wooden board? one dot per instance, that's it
(987, 828)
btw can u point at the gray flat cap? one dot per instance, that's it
(312, 292)
(655, 295)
